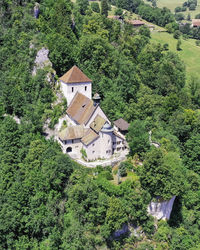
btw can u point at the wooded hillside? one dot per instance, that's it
(47, 201)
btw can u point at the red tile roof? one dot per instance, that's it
(74, 75)
(81, 108)
(196, 22)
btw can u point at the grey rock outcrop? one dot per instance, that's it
(36, 10)
(42, 61)
(161, 209)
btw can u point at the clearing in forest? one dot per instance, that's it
(190, 52)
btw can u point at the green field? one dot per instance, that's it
(190, 53)
(172, 4)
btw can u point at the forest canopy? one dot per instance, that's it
(47, 201)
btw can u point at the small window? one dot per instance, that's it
(85, 88)
(93, 144)
(93, 152)
(108, 141)
(72, 141)
(72, 89)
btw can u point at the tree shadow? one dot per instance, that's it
(176, 214)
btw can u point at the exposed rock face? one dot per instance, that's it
(121, 231)
(161, 210)
(41, 61)
(36, 10)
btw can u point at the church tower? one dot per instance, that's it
(75, 81)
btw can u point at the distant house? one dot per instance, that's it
(136, 23)
(88, 130)
(195, 23)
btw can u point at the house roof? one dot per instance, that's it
(74, 75)
(136, 22)
(121, 124)
(72, 132)
(196, 22)
(114, 17)
(118, 135)
(81, 108)
(89, 136)
(98, 123)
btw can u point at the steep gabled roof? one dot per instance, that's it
(72, 132)
(121, 124)
(81, 108)
(89, 137)
(98, 123)
(74, 75)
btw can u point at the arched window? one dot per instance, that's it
(69, 149)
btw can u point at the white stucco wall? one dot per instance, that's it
(77, 87)
(118, 144)
(93, 150)
(76, 146)
(106, 145)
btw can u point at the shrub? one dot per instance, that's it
(177, 34)
(192, 6)
(197, 43)
(95, 7)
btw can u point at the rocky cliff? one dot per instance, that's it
(161, 209)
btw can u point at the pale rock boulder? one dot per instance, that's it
(161, 209)
(36, 10)
(42, 61)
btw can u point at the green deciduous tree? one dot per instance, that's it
(138, 138)
(104, 8)
(162, 173)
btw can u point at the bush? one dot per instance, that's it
(95, 7)
(123, 168)
(178, 46)
(179, 16)
(166, 46)
(106, 174)
(192, 6)
(197, 43)
(197, 16)
(118, 12)
(177, 34)
(178, 9)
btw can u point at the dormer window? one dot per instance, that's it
(85, 88)
(72, 89)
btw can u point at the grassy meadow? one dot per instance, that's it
(172, 4)
(190, 53)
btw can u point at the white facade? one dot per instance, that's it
(102, 141)
(69, 90)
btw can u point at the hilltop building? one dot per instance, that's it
(89, 132)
